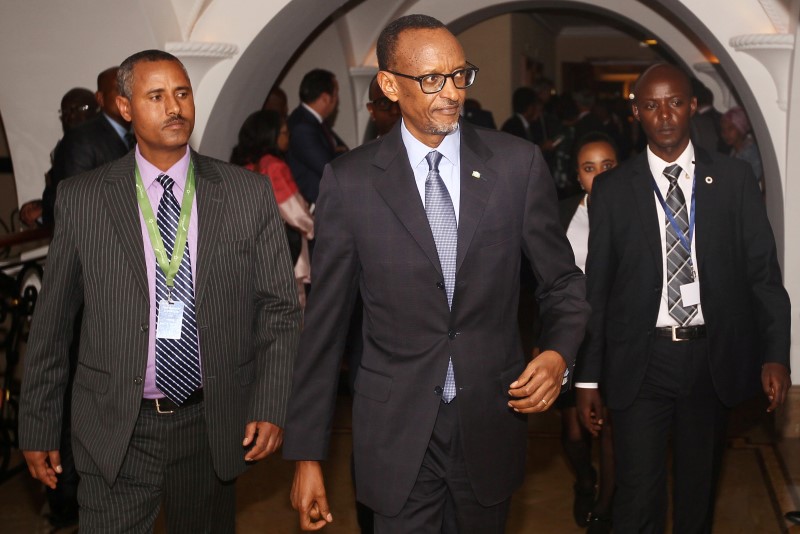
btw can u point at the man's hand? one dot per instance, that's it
(44, 466)
(590, 409)
(538, 386)
(775, 381)
(308, 496)
(268, 438)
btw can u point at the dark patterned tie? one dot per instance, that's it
(177, 360)
(442, 220)
(679, 269)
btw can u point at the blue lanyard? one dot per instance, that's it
(686, 241)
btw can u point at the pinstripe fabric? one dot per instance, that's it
(168, 456)
(247, 315)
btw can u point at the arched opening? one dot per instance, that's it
(296, 26)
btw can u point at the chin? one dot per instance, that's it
(443, 129)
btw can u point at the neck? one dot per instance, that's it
(669, 153)
(163, 160)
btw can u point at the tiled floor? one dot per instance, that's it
(759, 483)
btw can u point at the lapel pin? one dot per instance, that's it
(709, 180)
(476, 174)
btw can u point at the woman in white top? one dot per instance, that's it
(594, 154)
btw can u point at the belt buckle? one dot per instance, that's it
(159, 410)
(675, 334)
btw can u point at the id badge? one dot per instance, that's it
(170, 319)
(690, 294)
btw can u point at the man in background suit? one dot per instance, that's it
(191, 374)
(443, 383)
(526, 110)
(99, 140)
(684, 323)
(312, 142)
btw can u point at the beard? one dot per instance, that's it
(445, 128)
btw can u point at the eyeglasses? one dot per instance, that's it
(433, 83)
(384, 104)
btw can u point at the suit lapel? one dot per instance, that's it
(119, 195)
(399, 190)
(477, 182)
(210, 199)
(706, 207)
(642, 185)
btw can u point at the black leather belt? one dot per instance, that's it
(164, 405)
(682, 333)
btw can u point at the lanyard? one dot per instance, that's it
(169, 268)
(686, 241)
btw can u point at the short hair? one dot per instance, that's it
(108, 76)
(315, 83)
(387, 40)
(589, 138)
(679, 71)
(523, 98)
(125, 72)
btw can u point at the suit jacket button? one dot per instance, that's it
(138, 380)
(437, 391)
(144, 327)
(452, 334)
(440, 285)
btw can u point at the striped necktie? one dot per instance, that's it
(679, 269)
(177, 360)
(442, 220)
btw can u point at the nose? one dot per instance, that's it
(450, 91)
(171, 105)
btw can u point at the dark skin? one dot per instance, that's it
(161, 109)
(664, 106)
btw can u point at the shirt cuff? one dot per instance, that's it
(587, 385)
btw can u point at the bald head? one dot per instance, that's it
(107, 91)
(663, 104)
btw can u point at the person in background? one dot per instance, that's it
(263, 140)
(595, 153)
(276, 101)
(735, 131)
(313, 143)
(98, 141)
(383, 113)
(474, 113)
(706, 122)
(78, 105)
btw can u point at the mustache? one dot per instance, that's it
(175, 119)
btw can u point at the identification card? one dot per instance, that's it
(690, 294)
(170, 319)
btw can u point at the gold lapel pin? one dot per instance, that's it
(709, 180)
(476, 174)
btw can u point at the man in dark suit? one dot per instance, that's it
(430, 222)
(98, 141)
(313, 143)
(526, 110)
(685, 317)
(185, 363)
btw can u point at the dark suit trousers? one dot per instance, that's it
(443, 487)
(677, 399)
(168, 459)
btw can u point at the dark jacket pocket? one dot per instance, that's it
(373, 385)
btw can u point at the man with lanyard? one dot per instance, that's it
(689, 315)
(190, 323)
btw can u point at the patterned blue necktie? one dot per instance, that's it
(177, 360)
(679, 269)
(442, 220)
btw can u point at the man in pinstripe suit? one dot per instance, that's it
(136, 440)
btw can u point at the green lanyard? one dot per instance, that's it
(170, 268)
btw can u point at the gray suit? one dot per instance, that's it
(247, 315)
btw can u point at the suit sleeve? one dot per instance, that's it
(277, 316)
(771, 305)
(335, 270)
(46, 362)
(600, 269)
(308, 147)
(561, 289)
